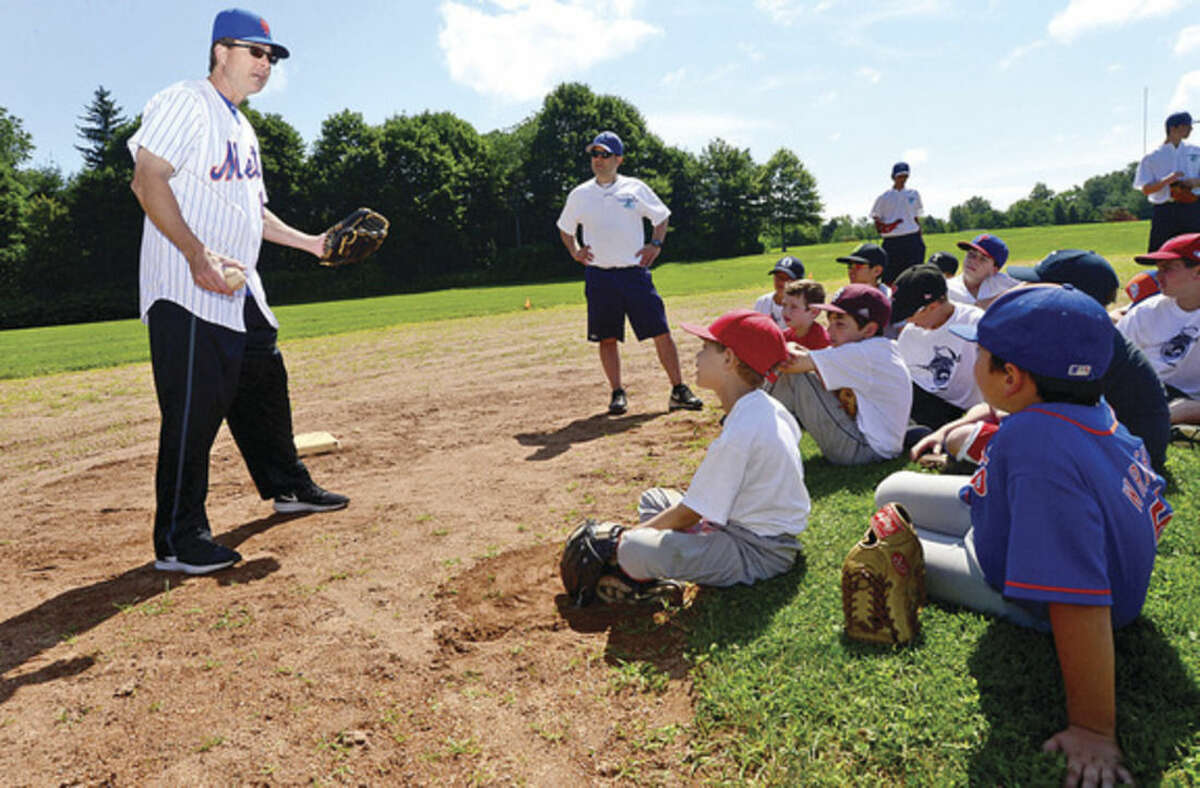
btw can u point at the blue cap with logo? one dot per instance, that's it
(788, 265)
(1058, 332)
(243, 25)
(900, 168)
(609, 141)
(989, 245)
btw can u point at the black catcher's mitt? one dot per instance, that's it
(590, 554)
(354, 237)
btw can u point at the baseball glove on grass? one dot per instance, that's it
(353, 238)
(883, 580)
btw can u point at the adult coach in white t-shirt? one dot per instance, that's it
(1173, 162)
(617, 257)
(897, 214)
(198, 176)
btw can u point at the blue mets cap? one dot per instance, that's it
(1087, 271)
(1058, 332)
(246, 25)
(989, 245)
(609, 141)
(899, 168)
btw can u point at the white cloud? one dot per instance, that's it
(752, 52)
(782, 12)
(1020, 52)
(694, 130)
(835, 136)
(1187, 92)
(1114, 68)
(828, 97)
(870, 74)
(788, 12)
(673, 77)
(1188, 40)
(1082, 16)
(915, 155)
(519, 49)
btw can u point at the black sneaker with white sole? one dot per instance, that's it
(198, 557)
(309, 499)
(619, 402)
(682, 398)
(617, 588)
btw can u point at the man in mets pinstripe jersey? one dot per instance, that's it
(1062, 519)
(198, 176)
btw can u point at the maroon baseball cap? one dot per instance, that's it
(752, 336)
(865, 301)
(1182, 247)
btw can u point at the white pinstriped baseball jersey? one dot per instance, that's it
(218, 183)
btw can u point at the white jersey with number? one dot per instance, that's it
(612, 219)
(218, 183)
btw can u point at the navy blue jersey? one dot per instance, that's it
(1067, 508)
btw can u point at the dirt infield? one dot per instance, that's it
(418, 636)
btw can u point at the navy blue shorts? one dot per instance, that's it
(613, 294)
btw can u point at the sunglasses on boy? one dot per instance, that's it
(602, 154)
(257, 52)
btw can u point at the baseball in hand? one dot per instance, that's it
(234, 277)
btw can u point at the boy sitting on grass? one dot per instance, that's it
(1058, 528)
(800, 313)
(738, 520)
(865, 266)
(869, 425)
(786, 271)
(981, 280)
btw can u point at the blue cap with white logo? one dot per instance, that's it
(1058, 332)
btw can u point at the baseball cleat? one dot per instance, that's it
(615, 589)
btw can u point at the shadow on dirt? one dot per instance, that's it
(23, 637)
(553, 443)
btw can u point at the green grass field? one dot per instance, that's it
(781, 696)
(45, 351)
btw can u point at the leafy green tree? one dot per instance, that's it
(102, 117)
(15, 147)
(789, 192)
(346, 168)
(976, 214)
(731, 212)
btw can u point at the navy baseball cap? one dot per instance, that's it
(915, 288)
(1058, 332)
(864, 301)
(1087, 271)
(246, 25)
(609, 141)
(946, 262)
(870, 254)
(1178, 119)
(900, 168)
(987, 244)
(790, 266)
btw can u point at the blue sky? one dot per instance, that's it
(980, 97)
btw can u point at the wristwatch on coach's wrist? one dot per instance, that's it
(656, 242)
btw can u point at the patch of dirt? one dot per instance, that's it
(418, 637)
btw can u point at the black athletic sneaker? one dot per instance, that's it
(198, 557)
(1186, 434)
(619, 402)
(310, 499)
(682, 398)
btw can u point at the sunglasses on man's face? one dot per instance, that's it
(256, 51)
(602, 154)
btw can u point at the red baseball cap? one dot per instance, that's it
(752, 336)
(1181, 247)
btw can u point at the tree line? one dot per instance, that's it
(465, 208)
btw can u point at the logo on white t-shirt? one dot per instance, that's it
(1175, 348)
(941, 366)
